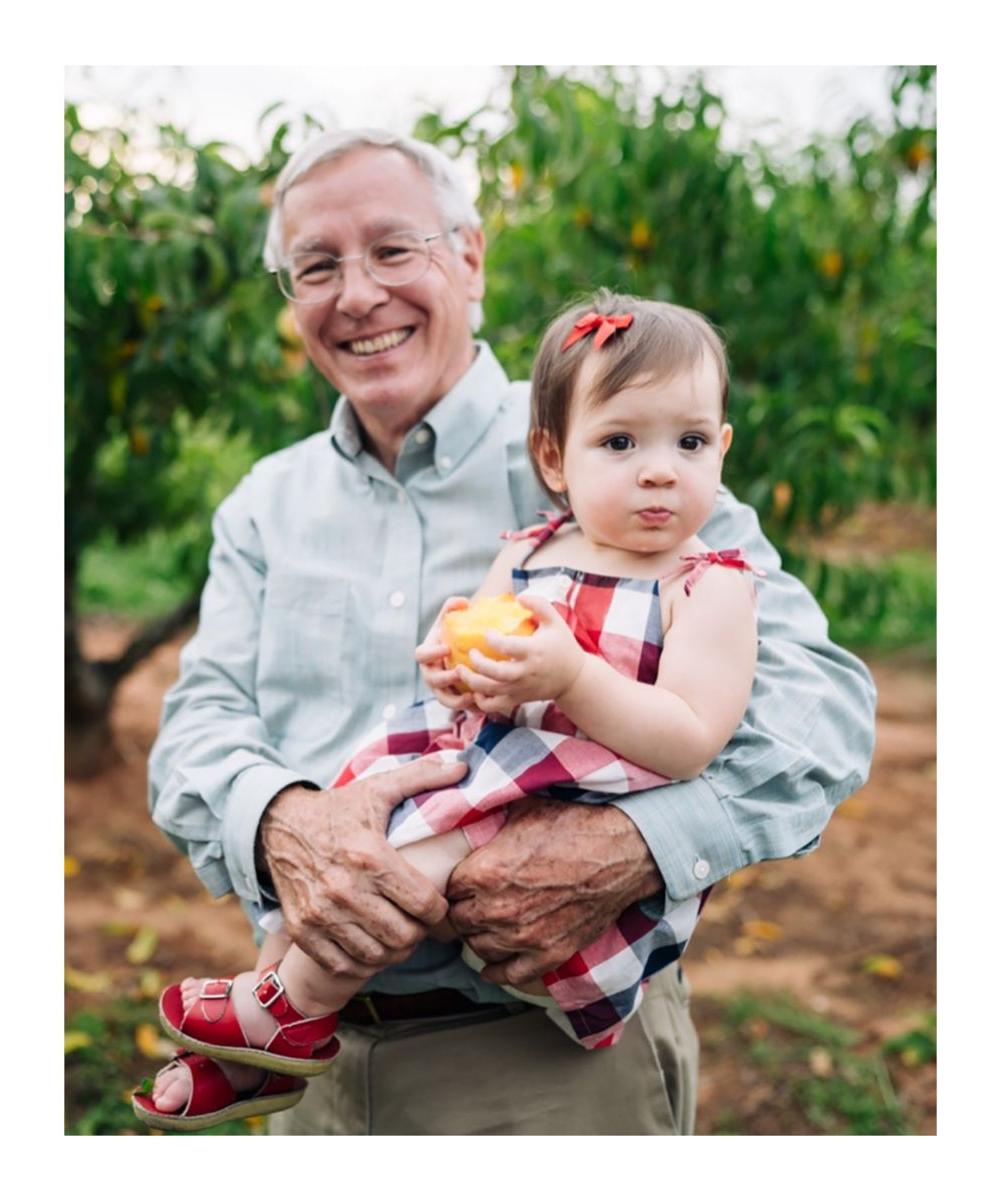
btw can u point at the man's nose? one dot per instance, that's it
(360, 293)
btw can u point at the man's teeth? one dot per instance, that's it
(385, 341)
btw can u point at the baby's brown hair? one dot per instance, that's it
(662, 340)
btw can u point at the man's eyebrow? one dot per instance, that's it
(376, 230)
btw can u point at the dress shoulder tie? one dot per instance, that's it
(696, 565)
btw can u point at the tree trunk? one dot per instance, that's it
(91, 684)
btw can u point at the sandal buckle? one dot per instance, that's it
(205, 994)
(270, 978)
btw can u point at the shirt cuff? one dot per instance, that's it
(688, 833)
(253, 791)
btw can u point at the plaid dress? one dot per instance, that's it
(540, 752)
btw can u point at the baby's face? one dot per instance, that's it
(642, 468)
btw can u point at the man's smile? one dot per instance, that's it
(377, 344)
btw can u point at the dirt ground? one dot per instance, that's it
(848, 933)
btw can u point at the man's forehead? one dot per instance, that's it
(374, 190)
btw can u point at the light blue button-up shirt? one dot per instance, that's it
(327, 570)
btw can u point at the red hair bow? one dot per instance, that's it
(605, 324)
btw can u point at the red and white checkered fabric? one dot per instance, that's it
(540, 752)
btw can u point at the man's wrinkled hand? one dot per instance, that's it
(349, 900)
(555, 878)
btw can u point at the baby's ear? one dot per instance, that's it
(546, 452)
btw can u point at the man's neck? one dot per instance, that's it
(384, 439)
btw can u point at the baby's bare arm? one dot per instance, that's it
(678, 726)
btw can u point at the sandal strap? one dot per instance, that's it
(210, 1089)
(294, 1029)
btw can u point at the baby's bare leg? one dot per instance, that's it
(436, 857)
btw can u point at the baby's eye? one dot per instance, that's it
(618, 442)
(692, 441)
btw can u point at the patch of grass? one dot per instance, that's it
(810, 1073)
(105, 1066)
(876, 606)
(139, 580)
(918, 1045)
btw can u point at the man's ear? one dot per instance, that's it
(547, 455)
(471, 253)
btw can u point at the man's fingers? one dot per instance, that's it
(422, 775)
(360, 946)
(328, 954)
(412, 892)
(517, 971)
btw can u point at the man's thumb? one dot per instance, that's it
(424, 775)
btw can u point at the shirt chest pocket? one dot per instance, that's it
(302, 642)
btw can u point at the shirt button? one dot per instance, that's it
(389, 711)
(701, 868)
(422, 436)
(401, 496)
(445, 462)
(397, 599)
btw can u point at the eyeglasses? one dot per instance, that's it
(394, 261)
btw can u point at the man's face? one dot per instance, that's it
(341, 207)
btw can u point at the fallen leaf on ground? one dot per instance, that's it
(855, 808)
(141, 947)
(150, 1044)
(129, 899)
(820, 1062)
(80, 981)
(756, 1027)
(119, 928)
(75, 1039)
(885, 966)
(150, 983)
(744, 946)
(254, 1122)
(70, 866)
(765, 931)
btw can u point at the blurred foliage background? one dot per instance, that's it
(182, 366)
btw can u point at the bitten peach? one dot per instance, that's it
(465, 629)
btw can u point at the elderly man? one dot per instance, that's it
(329, 562)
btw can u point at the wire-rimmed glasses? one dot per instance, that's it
(313, 276)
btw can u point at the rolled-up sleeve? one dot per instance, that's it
(805, 742)
(213, 769)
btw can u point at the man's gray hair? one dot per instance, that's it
(455, 205)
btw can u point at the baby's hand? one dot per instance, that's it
(433, 658)
(541, 666)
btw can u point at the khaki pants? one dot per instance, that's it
(509, 1073)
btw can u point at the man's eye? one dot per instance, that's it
(392, 252)
(618, 442)
(692, 441)
(315, 270)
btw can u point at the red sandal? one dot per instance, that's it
(299, 1046)
(213, 1099)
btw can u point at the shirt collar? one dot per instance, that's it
(457, 420)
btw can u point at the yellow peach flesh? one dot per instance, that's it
(465, 629)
